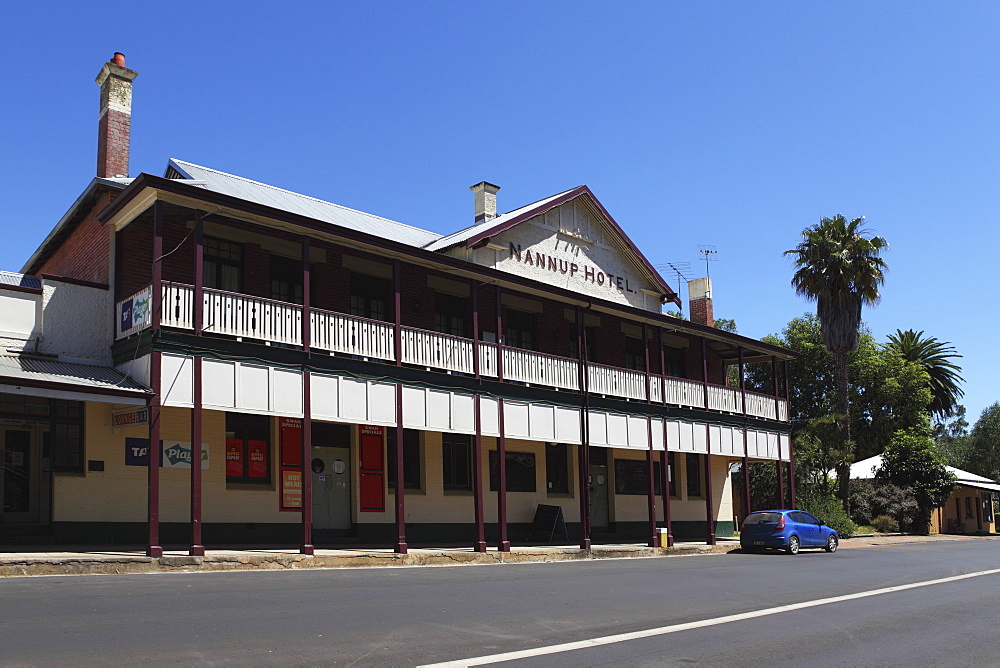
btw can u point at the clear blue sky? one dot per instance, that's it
(732, 124)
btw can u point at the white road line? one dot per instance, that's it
(663, 630)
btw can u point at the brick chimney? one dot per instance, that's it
(486, 201)
(700, 301)
(116, 117)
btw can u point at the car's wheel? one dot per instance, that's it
(793, 545)
(832, 543)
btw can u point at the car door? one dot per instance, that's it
(811, 534)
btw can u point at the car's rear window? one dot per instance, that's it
(754, 518)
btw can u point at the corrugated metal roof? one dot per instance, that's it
(93, 378)
(866, 468)
(20, 280)
(469, 232)
(317, 209)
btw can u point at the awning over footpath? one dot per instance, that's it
(865, 469)
(43, 377)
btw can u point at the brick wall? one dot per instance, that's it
(84, 253)
(113, 144)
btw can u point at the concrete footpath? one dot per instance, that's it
(95, 560)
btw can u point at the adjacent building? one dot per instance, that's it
(308, 373)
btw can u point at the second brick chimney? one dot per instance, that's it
(486, 201)
(700, 301)
(115, 122)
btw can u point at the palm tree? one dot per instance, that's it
(935, 356)
(839, 268)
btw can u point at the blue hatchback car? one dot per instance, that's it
(789, 530)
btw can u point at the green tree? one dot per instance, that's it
(913, 462)
(935, 356)
(840, 269)
(981, 451)
(952, 437)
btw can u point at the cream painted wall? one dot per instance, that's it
(118, 494)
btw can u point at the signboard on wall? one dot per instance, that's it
(290, 435)
(173, 454)
(135, 312)
(132, 416)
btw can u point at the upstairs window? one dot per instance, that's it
(451, 314)
(635, 354)
(590, 335)
(519, 329)
(223, 265)
(286, 279)
(673, 359)
(370, 297)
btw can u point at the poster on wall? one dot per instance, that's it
(234, 458)
(173, 454)
(135, 312)
(290, 435)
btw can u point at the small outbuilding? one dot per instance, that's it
(969, 509)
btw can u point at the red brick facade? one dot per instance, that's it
(113, 144)
(84, 253)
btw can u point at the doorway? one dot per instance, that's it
(600, 520)
(23, 495)
(331, 472)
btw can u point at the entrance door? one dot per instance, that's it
(331, 472)
(599, 518)
(19, 480)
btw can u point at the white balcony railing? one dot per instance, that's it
(725, 399)
(685, 393)
(351, 335)
(437, 351)
(279, 322)
(616, 382)
(534, 368)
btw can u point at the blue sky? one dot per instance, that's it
(716, 123)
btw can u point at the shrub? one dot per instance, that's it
(872, 498)
(830, 510)
(885, 524)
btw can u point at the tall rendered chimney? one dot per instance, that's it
(486, 201)
(700, 301)
(116, 117)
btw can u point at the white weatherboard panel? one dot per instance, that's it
(656, 425)
(176, 380)
(617, 430)
(463, 413)
(137, 369)
(700, 438)
(218, 383)
(751, 443)
(772, 445)
(541, 422)
(353, 400)
(490, 421)
(598, 428)
(325, 393)
(286, 391)
(785, 445)
(638, 433)
(381, 403)
(414, 407)
(252, 388)
(438, 410)
(567, 425)
(515, 418)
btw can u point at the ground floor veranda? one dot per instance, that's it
(251, 487)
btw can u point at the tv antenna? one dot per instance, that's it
(678, 268)
(708, 251)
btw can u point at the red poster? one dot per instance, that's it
(291, 489)
(257, 458)
(291, 441)
(234, 457)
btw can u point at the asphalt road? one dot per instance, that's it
(407, 616)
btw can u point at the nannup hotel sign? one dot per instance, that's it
(585, 272)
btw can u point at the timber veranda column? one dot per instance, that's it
(665, 458)
(477, 444)
(503, 543)
(584, 453)
(153, 547)
(399, 502)
(197, 549)
(306, 545)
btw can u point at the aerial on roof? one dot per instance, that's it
(286, 200)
